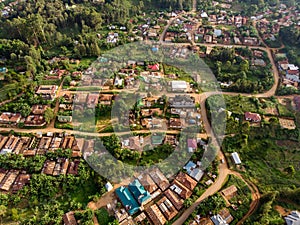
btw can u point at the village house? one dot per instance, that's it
(167, 208)
(175, 123)
(105, 99)
(38, 109)
(154, 67)
(121, 215)
(69, 219)
(10, 145)
(160, 179)
(8, 180)
(180, 189)
(193, 171)
(68, 98)
(175, 200)
(140, 218)
(150, 101)
(22, 180)
(64, 119)
(68, 142)
(147, 182)
(65, 107)
(250, 41)
(223, 216)
(229, 192)
(73, 167)
(55, 144)
(236, 158)
(208, 38)
(171, 140)
(182, 101)
(45, 143)
(47, 92)
(259, 62)
(186, 180)
(89, 148)
(252, 117)
(80, 98)
(77, 147)
(212, 19)
(293, 218)
(3, 140)
(3, 172)
(139, 192)
(155, 215)
(151, 112)
(21, 145)
(257, 54)
(48, 167)
(127, 200)
(56, 74)
(133, 143)
(10, 118)
(179, 86)
(191, 145)
(92, 100)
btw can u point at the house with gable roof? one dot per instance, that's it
(139, 192)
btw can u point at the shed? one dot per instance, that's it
(108, 186)
(236, 158)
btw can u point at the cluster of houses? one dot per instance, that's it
(41, 144)
(35, 119)
(210, 35)
(9, 8)
(189, 30)
(47, 92)
(13, 180)
(182, 109)
(222, 218)
(154, 197)
(148, 29)
(290, 16)
(151, 75)
(61, 166)
(291, 72)
(268, 29)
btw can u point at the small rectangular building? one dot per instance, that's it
(236, 158)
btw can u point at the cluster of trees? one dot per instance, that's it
(47, 198)
(291, 38)
(24, 103)
(253, 6)
(265, 213)
(231, 68)
(213, 204)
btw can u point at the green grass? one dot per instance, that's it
(239, 104)
(265, 161)
(283, 111)
(83, 191)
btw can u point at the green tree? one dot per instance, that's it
(49, 115)
(3, 210)
(290, 170)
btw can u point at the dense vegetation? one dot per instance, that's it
(230, 68)
(269, 153)
(47, 198)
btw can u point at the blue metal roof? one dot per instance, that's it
(139, 192)
(127, 200)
